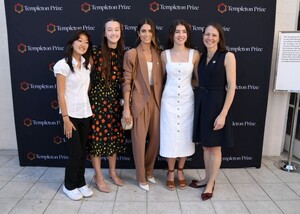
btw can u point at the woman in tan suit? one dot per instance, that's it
(142, 68)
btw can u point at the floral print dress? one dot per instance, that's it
(106, 135)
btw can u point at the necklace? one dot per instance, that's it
(209, 57)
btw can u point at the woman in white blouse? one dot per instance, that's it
(73, 79)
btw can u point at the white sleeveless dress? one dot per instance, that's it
(177, 109)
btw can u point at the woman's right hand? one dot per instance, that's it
(127, 115)
(68, 127)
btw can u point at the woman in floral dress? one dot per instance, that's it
(106, 135)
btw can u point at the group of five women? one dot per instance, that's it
(175, 98)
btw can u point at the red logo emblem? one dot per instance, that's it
(57, 140)
(51, 65)
(30, 156)
(51, 28)
(22, 48)
(24, 86)
(54, 104)
(85, 7)
(222, 8)
(19, 8)
(154, 6)
(27, 122)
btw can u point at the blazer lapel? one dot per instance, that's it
(143, 68)
(156, 64)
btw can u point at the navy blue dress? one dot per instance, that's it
(209, 100)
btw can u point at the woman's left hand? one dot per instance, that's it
(219, 122)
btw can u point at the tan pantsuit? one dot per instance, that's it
(146, 123)
(145, 109)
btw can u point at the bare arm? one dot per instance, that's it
(91, 61)
(196, 59)
(230, 67)
(61, 89)
(163, 61)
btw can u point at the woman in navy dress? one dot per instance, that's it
(213, 98)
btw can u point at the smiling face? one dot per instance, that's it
(211, 38)
(112, 33)
(180, 35)
(145, 34)
(80, 46)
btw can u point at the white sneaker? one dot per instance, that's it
(86, 191)
(74, 194)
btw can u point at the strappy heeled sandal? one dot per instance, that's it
(182, 184)
(170, 184)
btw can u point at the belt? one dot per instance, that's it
(207, 88)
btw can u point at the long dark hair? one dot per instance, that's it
(69, 49)
(106, 64)
(222, 43)
(155, 41)
(172, 29)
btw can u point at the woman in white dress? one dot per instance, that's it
(177, 104)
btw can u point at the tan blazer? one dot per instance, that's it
(141, 89)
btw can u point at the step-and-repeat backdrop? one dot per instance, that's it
(38, 31)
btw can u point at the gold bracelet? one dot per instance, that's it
(65, 115)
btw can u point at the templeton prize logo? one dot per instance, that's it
(51, 28)
(154, 6)
(19, 8)
(57, 140)
(24, 86)
(22, 48)
(222, 8)
(54, 104)
(27, 122)
(85, 7)
(30, 156)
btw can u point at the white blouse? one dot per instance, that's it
(77, 84)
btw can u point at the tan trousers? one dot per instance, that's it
(146, 123)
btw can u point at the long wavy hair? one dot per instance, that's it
(155, 41)
(106, 64)
(172, 29)
(222, 43)
(69, 49)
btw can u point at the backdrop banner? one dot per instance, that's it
(39, 30)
